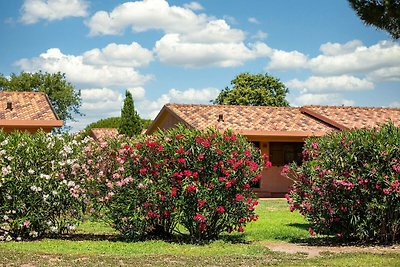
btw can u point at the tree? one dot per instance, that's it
(112, 122)
(130, 124)
(254, 90)
(383, 14)
(62, 95)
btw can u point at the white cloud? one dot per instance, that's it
(385, 74)
(193, 6)
(120, 55)
(253, 20)
(395, 104)
(146, 15)
(282, 60)
(78, 72)
(137, 93)
(35, 10)
(191, 95)
(334, 49)
(315, 84)
(260, 35)
(171, 49)
(101, 99)
(356, 59)
(321, 99)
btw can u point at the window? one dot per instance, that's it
(284, 153)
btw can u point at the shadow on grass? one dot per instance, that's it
(176, 239)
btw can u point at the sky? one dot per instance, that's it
(187, 51)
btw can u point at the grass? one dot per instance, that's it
(95, 244)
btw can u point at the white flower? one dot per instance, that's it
(9, 197)
(33, 234)
(45, 176)
(71, 184)
(34, 188)
(2, 237)
(30, 171)
(53, 229)
(45, 197)
(55, 193)
(5, 217)
(71, 227)
(5, 142)
(8, 238)
(19, 238)
(5, 170)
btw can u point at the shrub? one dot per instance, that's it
(198, 179)
(40, 192)
(348, 184)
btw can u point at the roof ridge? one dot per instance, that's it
(355, 107)
(219, 105)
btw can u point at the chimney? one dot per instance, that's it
(220, 117)
(9, 106)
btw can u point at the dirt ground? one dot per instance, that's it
(314, 251)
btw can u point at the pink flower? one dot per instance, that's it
(220, 209)
(385, 191)
(174, 191)
(201, 202)
(311, 231)
(200, 157)
(200, 218)
(26, 224)
(239, 197)
(143, 171)
(181, 160)
(191, 188)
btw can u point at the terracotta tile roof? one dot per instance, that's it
(27, 111)
(246, 119)
(26, 106)
(358, 117)
(102, 133)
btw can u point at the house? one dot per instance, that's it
(27, 111)
(277, 131)
(100, 134)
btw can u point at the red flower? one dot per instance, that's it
(200, 157)
(228, 184)
(181, 160)
(201, 202)
(187, 173)
(166, 213)
(311, 231)
(202, 227)
(180, 150)
(173, 191)
(160, 148)
(247, 153)
(200, 218)
(239, 197)
(246, 186)
(191, 188)
(240, 229)
(143, 171)
(178, 136)
(220, 209)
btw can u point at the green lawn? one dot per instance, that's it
(96, 245)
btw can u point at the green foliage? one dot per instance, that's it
(254, 90)
(131, 123)
(349, 184)
(113, 122)
(198, 179)
(383, 14)
(63, 97)
(40, 192)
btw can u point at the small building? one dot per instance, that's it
(99, 134)
(27, 111)
(277, 131)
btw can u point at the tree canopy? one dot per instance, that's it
(254, 90)
(65, 100)
(383, 14)
(130, 124)
(112, 122)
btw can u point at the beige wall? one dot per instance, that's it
(273, 184)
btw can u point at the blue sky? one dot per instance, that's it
(186, 52)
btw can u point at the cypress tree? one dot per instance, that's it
(131, 124)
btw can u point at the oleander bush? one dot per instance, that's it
(348, 184)
(40, 190)
(200, 180)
